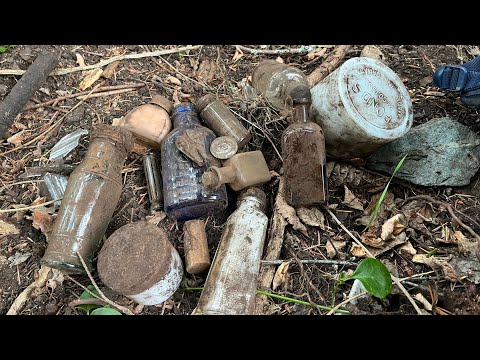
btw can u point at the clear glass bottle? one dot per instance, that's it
(221, 120)
(240, 171)
(231, 283)
(93, 191)
(184, 195)
(275, 81)
(154, 181)
(303, 152)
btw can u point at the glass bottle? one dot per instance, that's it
(231, 283)
(221, 120)
(240, 171)
(275, 81)
(149, 123)
(93, 191)
(154, 181)
(303, 152)
(184, 195)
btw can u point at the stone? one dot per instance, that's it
(442, 152)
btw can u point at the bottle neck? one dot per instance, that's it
(185, 116)
(301, 112)
(251, 202)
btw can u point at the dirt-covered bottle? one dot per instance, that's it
(184, 195)
(303, 152)
(91, 196)
(231, 283)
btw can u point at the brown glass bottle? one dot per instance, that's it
(303, 152)
(91, 196)
(221, 120)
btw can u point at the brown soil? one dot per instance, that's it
(188, 76)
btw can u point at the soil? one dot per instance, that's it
(222, 70)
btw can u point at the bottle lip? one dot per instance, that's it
(255, 193)
(184, 107)
(163, 102)
(118, 134)
(204, 101)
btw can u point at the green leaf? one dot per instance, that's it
(374, 276)
(3, 48)
(380, 200)
(86, 295)
(105, 311)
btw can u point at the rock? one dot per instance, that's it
(25, 53)
(442, 152)
(3, 89)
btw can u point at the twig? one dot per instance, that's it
(107, 61)
(123, 309)
(52, 127)
(29, 207)
(264, 133)
(449, 209)
(94, 301)
(106, 93)
(97, 90)
(328, 65)
(320, 262)
(300, 50)
(394, 278)
(336, 307)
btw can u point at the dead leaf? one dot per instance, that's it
(139, 149)
(280, 60)
(176, 101)
(289, 214)
(57, 279)
(332, 245)
(26, 294)
(407, 249)
(206, 71)
(373, 52)
(318, 52)
(371, 238)
(238, 54)
(156, 218)
(437, 264)
(90, 79)
(351, 200)
(173, 80)
(426, 304)
(393, 226)
(474, 51)
(466, 247)
(312, 216)
(17, 138)
(280, 275)
(8, 229)
(447, 236)
(25, 53)
(397, 240)
(38, 201)
(110, 69)
(459, 237)
(192, 144)
(80, 60)
(357, 251)
(19, 258)
(43, 221)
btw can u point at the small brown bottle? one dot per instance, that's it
(149, 123)
(303, 151)
(221, 120)
(93, 191)
(240, 171)
(275, 82)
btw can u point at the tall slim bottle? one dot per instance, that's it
(93, 191)
(303, 152)
(231, 283)
(184, 195)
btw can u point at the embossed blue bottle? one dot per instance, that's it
(185, 196)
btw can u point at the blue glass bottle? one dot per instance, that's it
(185, 196)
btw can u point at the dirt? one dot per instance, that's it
(219, 70)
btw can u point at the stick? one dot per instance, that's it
(274, 247)
(24, 89)
(318, 262)
(29, 207)
(70, 96)
(108, 61)
(106, 93)
(394, 278)
(78, 302)
(123, 309)
(335, 308)
(328, 65)
(300, 50)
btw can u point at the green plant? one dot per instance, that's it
(382, 196)
(374, 276)
(95, 309)
(5, 48)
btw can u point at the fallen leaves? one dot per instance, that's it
(206, 71)
(334, 246)
(173, 80)
(18, 138)
(373, 52)
(351, 200)
(110, 69)
(19, 258)
(42, 220)
(311, 216)
(280, 275)
(393, 226)
(8, 229)
(238, 54)
(90, 78)
(437, 264)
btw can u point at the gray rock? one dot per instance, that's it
(441, 152)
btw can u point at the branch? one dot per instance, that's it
(328, 65)
(300, 50)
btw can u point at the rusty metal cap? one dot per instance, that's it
(256, 193)
(204, 101)
(134, 258)
(162, 102)
(223, 147)
(121, 136)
